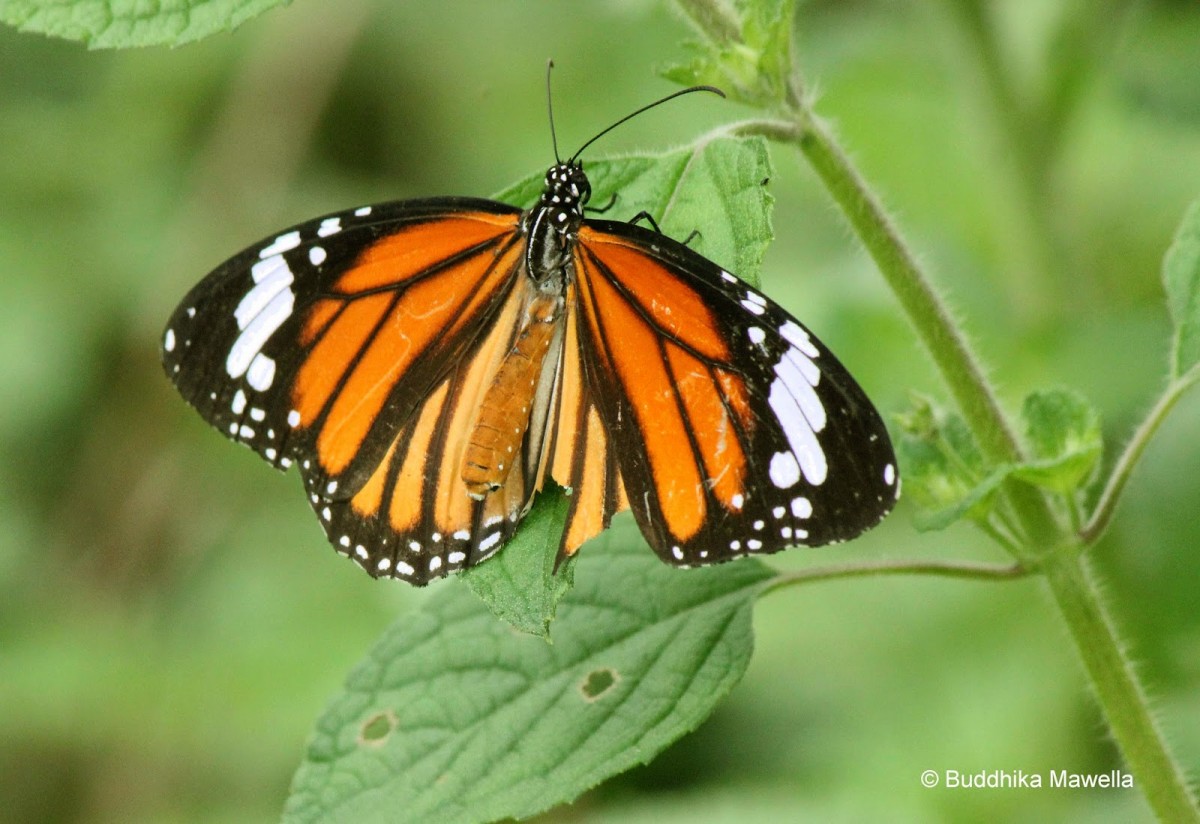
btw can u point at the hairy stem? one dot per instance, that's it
(1118, 690)
(1107, 504)
(942, 569)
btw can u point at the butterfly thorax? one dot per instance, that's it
(553, 223)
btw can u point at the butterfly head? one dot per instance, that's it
(567, 191)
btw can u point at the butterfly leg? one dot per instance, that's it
(599, 210)
(644, 215)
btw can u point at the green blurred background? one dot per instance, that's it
(171, 619)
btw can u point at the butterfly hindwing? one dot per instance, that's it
(413, 518)
(736, 431)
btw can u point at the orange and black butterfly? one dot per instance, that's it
(430, 364)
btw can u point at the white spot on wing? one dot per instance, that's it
(252, 339)
(802, 507)
(330, 226)
(784, 470)
(271, 276)
(282, 243)
(799, 434)
(261, 373)
(169, 340)
(239, 402)
(889, 474)
(792, 332)
(316, 255)
(752, 306)
(797, 385)
(362, 211)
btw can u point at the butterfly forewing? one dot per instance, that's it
(736, 431)
(316, 345)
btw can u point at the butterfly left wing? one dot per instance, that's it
(318, 343)
(734, 429)
(356, 346)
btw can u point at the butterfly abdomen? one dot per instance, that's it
(505, 411)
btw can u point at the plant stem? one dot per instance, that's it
(1117, 689)
(944, 569)
(1121, 472)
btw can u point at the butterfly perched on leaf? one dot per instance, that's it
(429, 365)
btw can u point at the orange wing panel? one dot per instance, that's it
(672, 305)
(414, 250)
(720, 449)
(637, 358)
(323, 368)
(367, 349)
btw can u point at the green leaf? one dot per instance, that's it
(745, 48)
(1181, 279)
(944, 472)
(713, 186)
(116, 24)
(1063, 430)
(454, 717)
(520, 584)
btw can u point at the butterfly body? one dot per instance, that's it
(431, 364)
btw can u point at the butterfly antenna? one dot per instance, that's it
(550, 110)
(648, 106)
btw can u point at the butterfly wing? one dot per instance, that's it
(734, 429)
(580, 453)
(329, 344)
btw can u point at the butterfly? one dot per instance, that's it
(429, 365)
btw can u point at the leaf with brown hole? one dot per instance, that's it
(454, 717)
